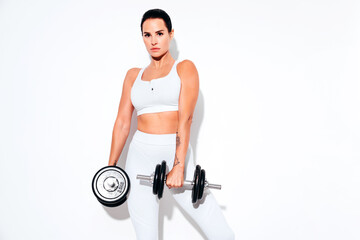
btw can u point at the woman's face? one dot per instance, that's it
(156, 36)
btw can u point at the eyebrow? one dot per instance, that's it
(156, 31)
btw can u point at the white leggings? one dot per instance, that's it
(145, 151)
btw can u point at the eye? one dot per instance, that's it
(160, 33)
(146, 35)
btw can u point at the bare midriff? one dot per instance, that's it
(158, 123)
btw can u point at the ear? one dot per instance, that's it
(172, 34)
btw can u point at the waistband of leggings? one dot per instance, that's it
(155, 139)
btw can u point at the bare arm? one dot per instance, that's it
(123, 120)
(188, 97)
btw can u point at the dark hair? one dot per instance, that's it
(157, 13)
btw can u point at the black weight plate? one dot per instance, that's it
(110, 185)
(113, 204)
(156, 179)
(201, 184)
(162, 179)
(195, 190)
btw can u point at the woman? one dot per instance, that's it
(164, 95)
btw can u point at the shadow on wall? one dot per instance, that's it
(121, 212)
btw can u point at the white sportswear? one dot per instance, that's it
(157, 95)
(145, 152)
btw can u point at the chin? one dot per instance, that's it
(157, 54)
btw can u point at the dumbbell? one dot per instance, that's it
(199, 183)
(111, 186)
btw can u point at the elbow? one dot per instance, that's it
(186, 120)
(189, 119)
(122, 126)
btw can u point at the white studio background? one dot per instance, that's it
(276, 123)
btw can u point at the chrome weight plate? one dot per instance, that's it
(111, 185)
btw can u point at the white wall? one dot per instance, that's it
(276, 123)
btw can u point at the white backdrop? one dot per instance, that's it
(276, 122)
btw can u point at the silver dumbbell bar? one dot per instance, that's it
(186, 182)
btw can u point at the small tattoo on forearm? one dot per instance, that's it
(176, 160)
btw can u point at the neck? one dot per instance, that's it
(160, 62)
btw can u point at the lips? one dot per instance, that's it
(155, 49)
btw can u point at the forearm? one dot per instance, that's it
(182, 143)
(119, 137)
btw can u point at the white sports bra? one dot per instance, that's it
(157, 95)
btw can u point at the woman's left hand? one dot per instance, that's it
(175, 177)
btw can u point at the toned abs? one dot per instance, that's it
(158, 123)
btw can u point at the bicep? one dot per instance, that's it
(189, 90)
(125, 107)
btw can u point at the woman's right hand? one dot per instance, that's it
(111, 163)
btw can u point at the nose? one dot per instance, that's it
(153, 40)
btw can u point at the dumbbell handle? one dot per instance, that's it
(186, 182)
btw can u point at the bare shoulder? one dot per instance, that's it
(187, 69)
(187, 65)
(130, 77)
(132, 74)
